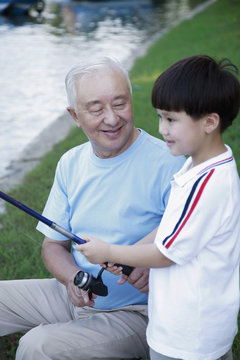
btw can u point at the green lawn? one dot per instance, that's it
(216, 32)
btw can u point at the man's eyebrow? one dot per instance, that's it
(92, 103)
(121, 97)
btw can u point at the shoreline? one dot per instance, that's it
(35, 150)
(33, 153)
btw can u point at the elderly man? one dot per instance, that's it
(115, 186)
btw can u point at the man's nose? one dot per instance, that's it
(110, 116)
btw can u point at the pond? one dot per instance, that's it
(37, 52)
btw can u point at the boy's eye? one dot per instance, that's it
(170, 120)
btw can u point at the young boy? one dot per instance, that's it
(194, 260)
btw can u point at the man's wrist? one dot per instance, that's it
(69, 278)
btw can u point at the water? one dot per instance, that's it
(36, 54)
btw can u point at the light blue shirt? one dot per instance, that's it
(119, 200)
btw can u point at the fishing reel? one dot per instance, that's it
(88, 282)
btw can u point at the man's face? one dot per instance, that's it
(104, 112)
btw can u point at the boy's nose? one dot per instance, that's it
(162, 128)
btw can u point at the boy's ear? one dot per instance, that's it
(212, 121)
(74, 116)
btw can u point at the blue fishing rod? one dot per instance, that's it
(83, 280)
(41, 218)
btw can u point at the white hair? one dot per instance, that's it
(89, 67)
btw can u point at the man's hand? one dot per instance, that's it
(138, 278)
(59, 261)
(78, 296)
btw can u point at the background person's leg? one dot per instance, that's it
(227, 356)
(157, 356)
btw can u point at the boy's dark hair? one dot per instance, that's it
(199, 85)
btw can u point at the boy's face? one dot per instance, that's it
(183, 134)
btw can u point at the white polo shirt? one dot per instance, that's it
(193, 304)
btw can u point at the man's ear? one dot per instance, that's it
(74, 116)
(212, 122)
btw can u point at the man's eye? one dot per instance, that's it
(119, 106)
(96, 111)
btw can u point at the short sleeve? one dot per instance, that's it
(193, 218)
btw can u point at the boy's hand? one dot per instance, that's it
(95, 250)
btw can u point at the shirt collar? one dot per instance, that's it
(186, 173)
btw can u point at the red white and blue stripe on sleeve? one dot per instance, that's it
(193, 200)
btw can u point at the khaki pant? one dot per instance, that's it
(57, 330)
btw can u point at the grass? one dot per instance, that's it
(215, 32)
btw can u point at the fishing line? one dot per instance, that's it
(21, 231)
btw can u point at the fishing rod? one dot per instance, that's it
(83, 279)
(41, 218)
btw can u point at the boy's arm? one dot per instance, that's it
(147, 255)
(148, 238)
(137, 255)
(116, 270)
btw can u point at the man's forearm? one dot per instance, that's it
(58, 260)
